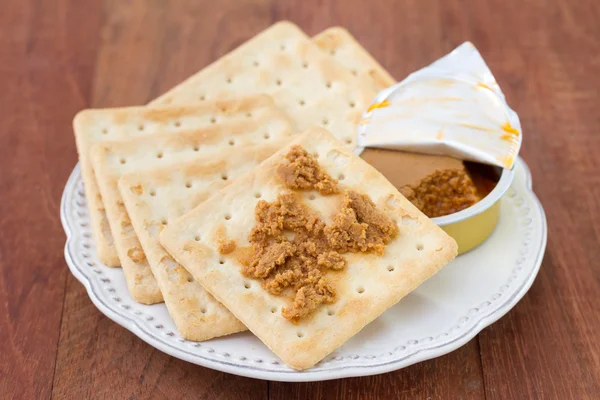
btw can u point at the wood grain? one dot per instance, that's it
(454, 376)
(62, 55)
(99, 359)
(126, 367)
(45, 75)
(552, 78)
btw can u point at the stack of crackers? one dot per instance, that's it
(168, 183)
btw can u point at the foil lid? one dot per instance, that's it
(452, 107)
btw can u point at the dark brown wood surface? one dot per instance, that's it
(59, 56)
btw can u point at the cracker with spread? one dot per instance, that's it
(309, 247)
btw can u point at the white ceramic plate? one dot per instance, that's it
(441, 315)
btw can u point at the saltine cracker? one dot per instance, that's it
(369, 284)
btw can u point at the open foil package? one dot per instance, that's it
(453, 107)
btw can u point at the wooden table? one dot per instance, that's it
(57, 57)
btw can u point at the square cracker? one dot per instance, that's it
(178, 189)
(365, 288)
(345, 49)
(111, 160)
(99, 125)
(308, 84)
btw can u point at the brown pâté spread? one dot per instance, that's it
(442, 193)
(436, 185)
(226, 246)
(292, 248)
(303, 172)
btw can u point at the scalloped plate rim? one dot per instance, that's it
(309, 375)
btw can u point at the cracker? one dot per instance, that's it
(110, 160)
(366, 288)
(178, 189)
(308, 84)
(345, 49)
(98, 125)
